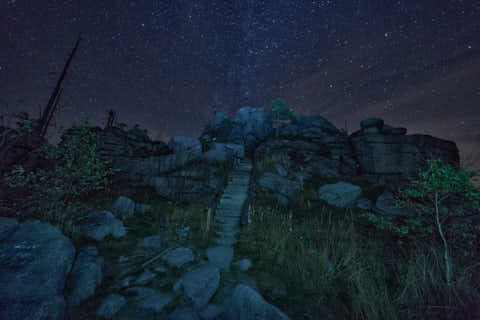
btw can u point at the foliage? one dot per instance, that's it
(77, 173)
(280, 111)
(435, 185)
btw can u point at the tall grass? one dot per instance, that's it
(333, 266)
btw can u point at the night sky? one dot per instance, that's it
(162, 64)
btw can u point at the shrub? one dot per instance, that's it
(279, 112)
(436, 184)
(77, 173)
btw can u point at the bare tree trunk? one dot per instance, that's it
(51, 105)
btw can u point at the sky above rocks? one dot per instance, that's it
(162, 64)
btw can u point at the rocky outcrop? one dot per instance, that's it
(249, 127)
(382, 154)
(115, 141)
(314, 145)
(387, 156)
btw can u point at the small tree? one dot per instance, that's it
(279, 112)
(435, 185)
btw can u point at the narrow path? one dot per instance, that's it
(229, 209)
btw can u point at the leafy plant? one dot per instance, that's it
(77, 173)
(434, 186)
(279, 111)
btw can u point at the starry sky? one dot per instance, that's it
(162, 64)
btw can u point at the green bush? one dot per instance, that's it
(78, 171)
(435, 185)
(280, 111)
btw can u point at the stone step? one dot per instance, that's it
(234, 226)
(238, 183)
(226, 219)
(233, 215)
(239, 175)
(233, 200)
(238, 194)
(238, 187)
(231, 203)
(228, 211)
(245, 172)
(225, 241)
(235, 188)
(225, 233)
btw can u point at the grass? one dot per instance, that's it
(328, 259)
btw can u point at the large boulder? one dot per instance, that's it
(222, 152)
(251, 127)
(35, 260)
(185, 148)
(314, 158)
(85, 277)
(249, 304)
(97, 225)
(385, 207)
(340, 194)
(315, 145)
(279, 187)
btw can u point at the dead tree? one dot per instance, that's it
(17, 148)
(54, 98)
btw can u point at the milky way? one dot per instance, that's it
(162, 64)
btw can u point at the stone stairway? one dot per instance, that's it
(229, 209)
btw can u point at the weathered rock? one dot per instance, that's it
(179, 188)
(393, 131)
(199, 284)
(153, 242)
(308, 128)
(29, 283)
(249, 128)
(86, 276)
(243, 264)
(123, 207)
(7, 227)
(222, 152)
(372, 125)
(221, 257)
(249, 304)
(394, 159)
(340, 194)
(211, 311)
(184, 313)
(363, 203)
(185, 148)
(96, 225)
(178, 256)
(385, 207)
(149, 299)
(110, 306)
(313, 144)
(113, 142)
(145, 278)
(280, 188)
